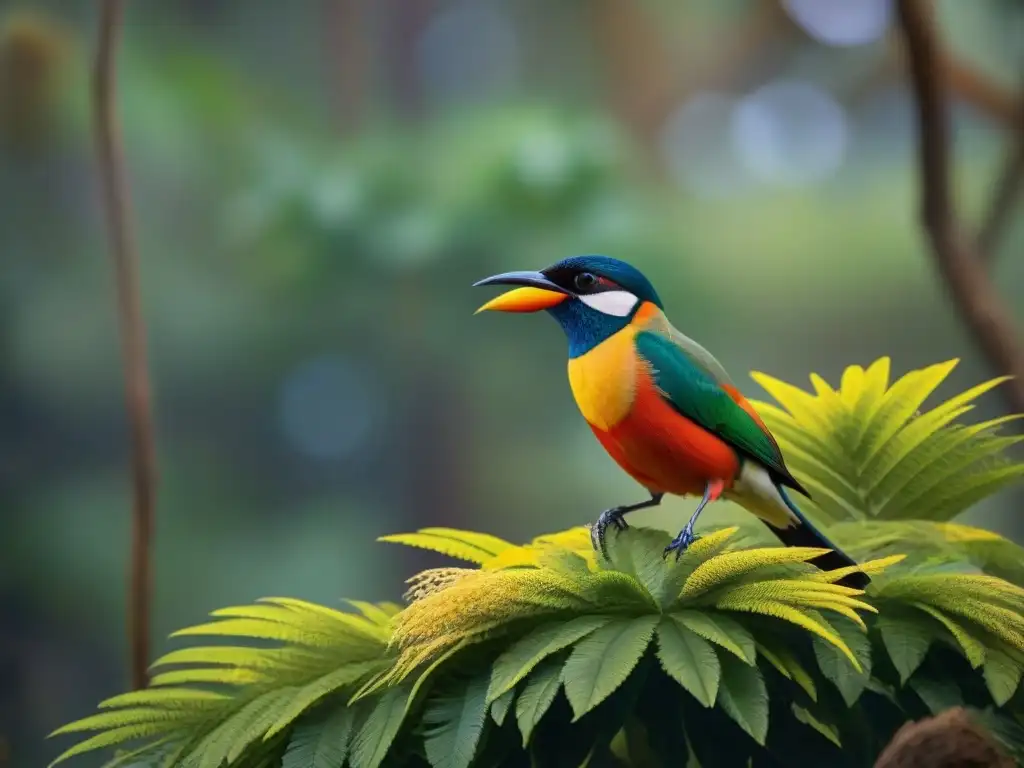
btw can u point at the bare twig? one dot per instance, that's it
(983, 93)
(1006, 192)
(966, 82)
(953, 249)
(133, 337)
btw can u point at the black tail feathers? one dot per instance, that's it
(806, 535)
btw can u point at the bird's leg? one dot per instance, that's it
(616, 517)
(712, 491)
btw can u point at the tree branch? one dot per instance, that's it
(1006, 193)
(968, 84)
(983, 93)
(955, 254)
(133, 335)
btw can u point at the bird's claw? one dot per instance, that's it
(681, 543)
(614, 517)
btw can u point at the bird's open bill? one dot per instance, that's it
(535, 293)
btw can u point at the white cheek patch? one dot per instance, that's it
(616, 303)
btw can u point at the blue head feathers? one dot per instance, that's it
(625, 275)
(603, 304)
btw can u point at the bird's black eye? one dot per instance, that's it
(584, 281)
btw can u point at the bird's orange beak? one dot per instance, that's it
(535, 293)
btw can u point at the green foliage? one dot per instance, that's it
(210, 705)
(866, 451)
(552, 654)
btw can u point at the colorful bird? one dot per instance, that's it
(660, 404)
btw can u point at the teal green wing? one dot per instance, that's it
(691, 389)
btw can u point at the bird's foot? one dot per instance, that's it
(681, 542)
(615, 517)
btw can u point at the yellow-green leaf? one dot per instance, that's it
(721, 630)
(906, 642)
(836, 667)
(830, 732)
(541, 688)
(1002, 675)
(973, 648)
(454, 725)
(516, 662)
(379, 728)
(603, 660)
(743, 696)
(321, 742)
(462, 545)
(689, 659)
(501, 705)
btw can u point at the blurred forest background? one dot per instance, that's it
(315, 187)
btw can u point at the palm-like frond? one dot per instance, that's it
(550, 649)
(211, 705)
(309, 685)
(608, 611)
(297, 670)
(933, 544)
(981, 616)
(866, 451)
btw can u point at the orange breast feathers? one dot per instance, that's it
(647, 437)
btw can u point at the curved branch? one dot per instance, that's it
(116, 206)
(1007, 191)
(953, 249)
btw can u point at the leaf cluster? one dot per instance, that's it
(548, 653)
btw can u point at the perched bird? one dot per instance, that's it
(660, 404)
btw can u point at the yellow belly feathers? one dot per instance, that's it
(603, 380)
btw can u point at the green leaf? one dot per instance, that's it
(515, 663)
(837, 668)
(937, 694)
(110, 738)
(152, 755)
(972, 648)
(321, 742)
(689, 659)
(603, 660)
(1002, 675)
(744, 697)
(906, 641)
(378, 731)
(311, 693)
(235, 732)
(639, 552)
(788, 666)
(428, 673)
(721, 630)
(867, 451)
(463, 545)
(541, 688)
(501, 705)
(454, 725)
(883, 689)
(830, 732)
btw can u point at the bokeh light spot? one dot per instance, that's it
(468, 52)
(790, 132)
(543, 158)
(697, 147)
(337, 199)
(842, 22)
(330, 408)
